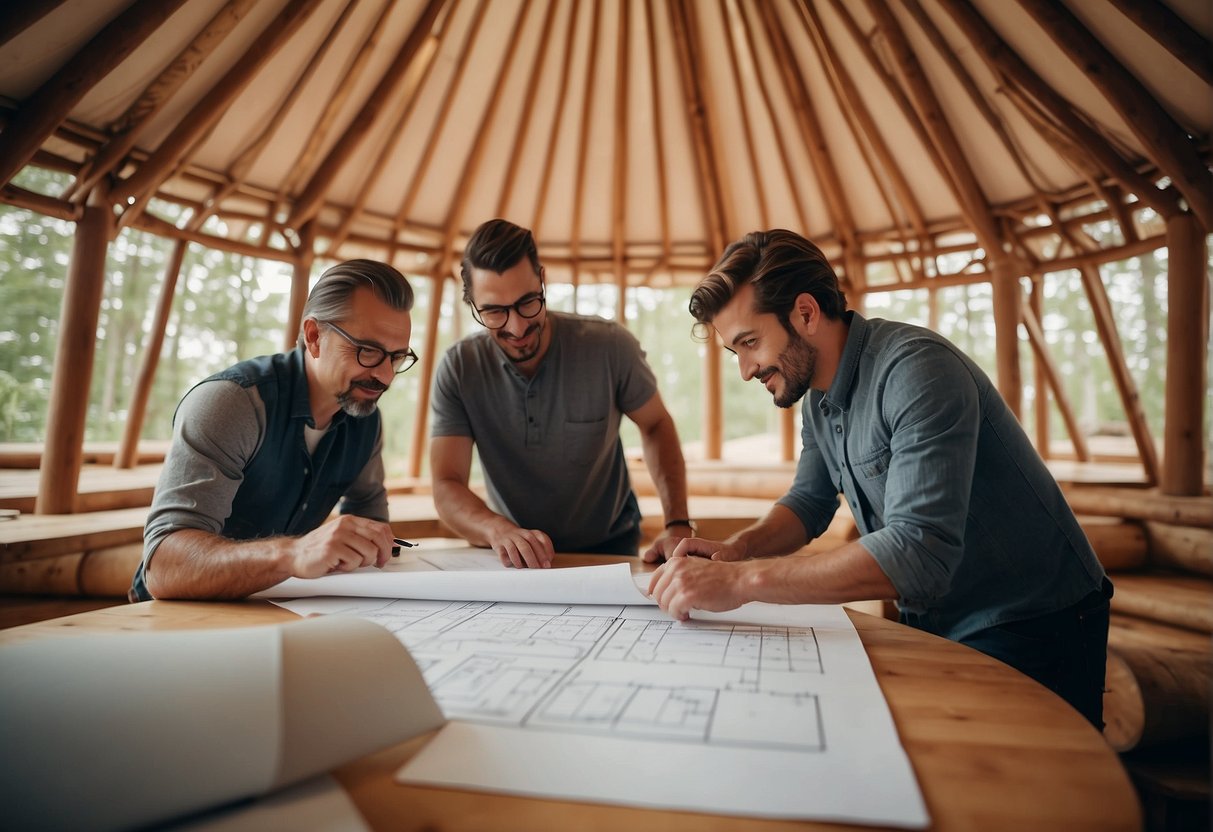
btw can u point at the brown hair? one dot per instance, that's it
(781, 265)
(497, 245)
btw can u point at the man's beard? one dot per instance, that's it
(526, 356)
(359, 408)
(796, 364)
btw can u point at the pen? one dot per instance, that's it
(399, 543)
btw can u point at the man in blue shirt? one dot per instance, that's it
(264, 450)
(960, 520)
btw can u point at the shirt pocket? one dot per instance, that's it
(583, 441)
(871, 470)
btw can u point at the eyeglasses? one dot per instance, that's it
(371, 356)
(495, 317)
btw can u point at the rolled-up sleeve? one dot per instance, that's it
(218, 428)
(932, 405)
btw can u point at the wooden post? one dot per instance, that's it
(1187, 344)
(64, 448)
(428, 359)
(787, 434)
(1036, 305)
(1046, 369)
(1005, 286)
(300, 279)
(713, 443)
(128, 451)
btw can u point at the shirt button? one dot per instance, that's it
(305, 472)
(531, 420)
(303, 507)
(838, 428)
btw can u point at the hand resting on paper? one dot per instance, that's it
(686, 583)
(675, 547)
(663, 547)
(345, 544)
(522, 548)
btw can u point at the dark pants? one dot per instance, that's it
(627, 543)
(1065, 651)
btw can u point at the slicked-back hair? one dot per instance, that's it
(781, 265)
(330, 298)
(497, 245)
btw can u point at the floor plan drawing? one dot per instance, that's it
(770, 711)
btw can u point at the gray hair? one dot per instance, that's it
(330, 297)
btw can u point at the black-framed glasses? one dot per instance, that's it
(370, 356)
(495, 317)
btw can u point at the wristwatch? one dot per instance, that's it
(682, 521)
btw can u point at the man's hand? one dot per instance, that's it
(523, 548)
(663, 547)
(684, 584)
(701, 547)
(343, 545)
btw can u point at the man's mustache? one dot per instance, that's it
(373, 385)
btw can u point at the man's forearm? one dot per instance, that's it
(465, 513)
(192, 564)
(779, 533)
(848, 573)
(663, 457)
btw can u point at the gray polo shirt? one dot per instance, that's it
(549, 445)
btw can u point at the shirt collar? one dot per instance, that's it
(839, 394)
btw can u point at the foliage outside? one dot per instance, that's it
(229, 307)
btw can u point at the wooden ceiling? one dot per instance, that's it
(636, 137)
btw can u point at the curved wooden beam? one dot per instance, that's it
(49, 105)
(1173, 33)
(15, 18)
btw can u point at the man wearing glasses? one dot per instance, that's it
(263, 451)
(541, 394)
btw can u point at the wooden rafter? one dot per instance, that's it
(764, 91)
(583, 138)
(545, 179)
(747, 120)
(538, 62)
(619, 189)
(436, 128)
(42, 112)
(658, 135)
(129, 126)
(1191, 48)
(15, 18)
(309, 201)
(1164, 140)
(211, 107)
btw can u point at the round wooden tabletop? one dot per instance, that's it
(991, 748)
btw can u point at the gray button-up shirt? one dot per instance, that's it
(951, 498)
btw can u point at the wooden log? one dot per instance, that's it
(1177, 601)
(1157, 684)
(46, 535)
(1140, 504)
(1120, 545)
(107, 573)
(1186, 548)
(45, 576)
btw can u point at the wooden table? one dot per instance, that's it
(992, 749)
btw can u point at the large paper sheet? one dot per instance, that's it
(117, 731)
(419, 577)
(766, 711)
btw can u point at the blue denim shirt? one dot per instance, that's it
(239, 466)
(950, 497)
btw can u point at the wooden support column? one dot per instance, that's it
(1007, 294)
(1036, 312)
(713, 442)
(787, 434)
(428, 359)
(128, 450)
(1046, 369)
(63, 451)
(300, 279)
(1187, 345)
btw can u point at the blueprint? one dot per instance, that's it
(770, 711)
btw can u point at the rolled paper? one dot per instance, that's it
(124, 730)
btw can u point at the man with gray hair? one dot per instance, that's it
(264, 450)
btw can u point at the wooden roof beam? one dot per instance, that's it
(127, 129)
(583, 140)
(1007, 64)
(545, 180)
(207, 112)
(1164, 139)
(50, 104)
(747, 122)
(764, 91)
(313, 194)
(528, 106)
(15, 17)
(663, 198)
(1172, 33)
(619, 185)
